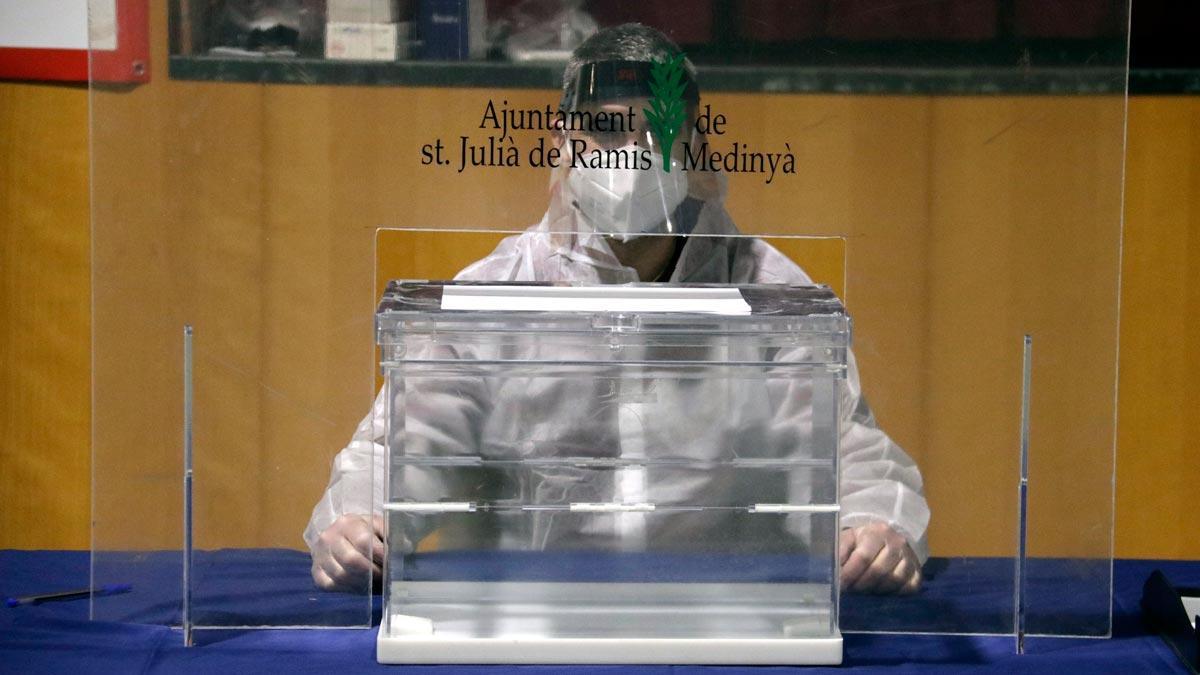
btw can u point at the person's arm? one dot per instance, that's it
(884, 514)
(441, 417)
(345, 532)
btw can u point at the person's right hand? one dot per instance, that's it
(877, 559)
(349, 552)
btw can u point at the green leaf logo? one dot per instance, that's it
(666, 113)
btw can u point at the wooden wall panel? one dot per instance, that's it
(251, 212)
(45, 307)
(293, 182)
(1025, 240)
(1158, 457)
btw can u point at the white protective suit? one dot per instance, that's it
(879, 482)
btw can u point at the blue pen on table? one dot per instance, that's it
(107, 589)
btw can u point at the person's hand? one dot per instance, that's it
(876, 559)
(349, 552)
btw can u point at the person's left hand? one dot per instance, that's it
(876, 559)
(349, 553)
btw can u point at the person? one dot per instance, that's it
(606, 224)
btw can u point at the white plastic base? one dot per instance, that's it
(719, 651)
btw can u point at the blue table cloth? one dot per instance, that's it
(245, 586)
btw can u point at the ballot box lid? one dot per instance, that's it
(767, 306)
(761, 317)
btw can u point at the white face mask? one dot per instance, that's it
(628, 202)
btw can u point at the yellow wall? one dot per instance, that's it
(45, 302)
(249, 211)
(251, 205)
(1157, 443)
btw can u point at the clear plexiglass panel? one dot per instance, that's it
(952, 170)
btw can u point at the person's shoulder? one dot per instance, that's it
(770, 265)
(752, 260)
(504, 258)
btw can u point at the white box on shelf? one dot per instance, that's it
(366, 41)
(362, 11)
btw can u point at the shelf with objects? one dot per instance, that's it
(948, 47)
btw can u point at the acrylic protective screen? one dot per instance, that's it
(964, 157)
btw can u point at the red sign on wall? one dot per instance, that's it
(54, 39)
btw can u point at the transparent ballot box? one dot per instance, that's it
(631, 473)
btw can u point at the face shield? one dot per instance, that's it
(623, 124)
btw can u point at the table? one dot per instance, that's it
(57, 637)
